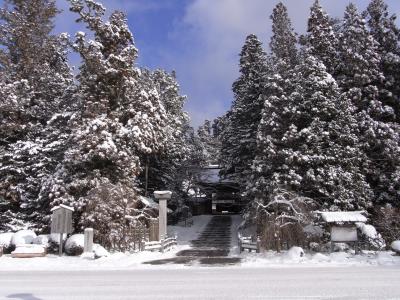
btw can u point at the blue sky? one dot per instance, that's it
(201, 39)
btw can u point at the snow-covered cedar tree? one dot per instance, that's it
(309, 145)
(280, 220)
(360, 78)
(385, 31)
(387, 220)
(283, 40)
(113, 213)
(35, 79)
(321, 39)
(166, 169)
(120, 119)
(208, 135)
(239, 136)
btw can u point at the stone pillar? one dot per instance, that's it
(162, 197)
(88, 243)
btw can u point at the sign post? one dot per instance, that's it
(61, 222)
(162, 197)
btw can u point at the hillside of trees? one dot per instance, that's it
(85, 138)
(317, 116)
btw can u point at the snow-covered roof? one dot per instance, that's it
(162, 194)
(149, 202)
(62, 206)
(343, 216)
(209, 175)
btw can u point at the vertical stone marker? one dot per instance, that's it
(88, 243)
(162, 197)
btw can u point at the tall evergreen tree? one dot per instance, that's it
(307, 144)
(321, 39)
(120, 119)
(385, 31)
(239, 137)
(35, 81)
(166, 169)
(360, 78)
(283, 40)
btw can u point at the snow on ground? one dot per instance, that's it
(32, 249)
(236, 221)
(267, 259)
(336, 259)
(5, 239)
(186, 234)
(115, 261)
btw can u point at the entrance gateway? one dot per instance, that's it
(221, 194)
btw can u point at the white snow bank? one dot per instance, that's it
(42, 239)
(33, 249)
(318, 257)
(395, 246)
(149, 202)
(295, 253)
(5, 239)
(23, 237)
(373, 236)
(335, 259)
(75, 241)
(99, 251)
(343, 216)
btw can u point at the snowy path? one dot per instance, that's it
(212, 247)
(206, 283)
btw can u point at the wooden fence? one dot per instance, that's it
(246, 243)
(162, 246)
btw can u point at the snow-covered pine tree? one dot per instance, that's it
(309, 144)
(277, 87)
(239, 137)
(208, 135)
(121, 119)
(283, 40)
(321, 39)
(360, 77)
(385, 31)
(165, 169)
(35, 78)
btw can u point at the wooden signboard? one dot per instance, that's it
(344, 234)
(61, 222)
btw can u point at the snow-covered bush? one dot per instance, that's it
(99, 251)
(395, 246)
(371, 236)
(5, 241)
(387, 220)
(282, 219)
(42, 239)
(74, 244)
(113, 212)
(295, 253)
(23, 237)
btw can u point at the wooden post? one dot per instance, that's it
(61, 245)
